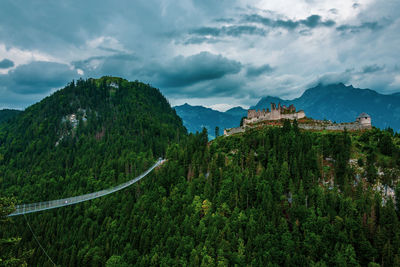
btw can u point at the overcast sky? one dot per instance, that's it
(207, 52)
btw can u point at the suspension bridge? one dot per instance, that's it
(46, 205)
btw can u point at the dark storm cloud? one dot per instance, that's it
(227, 86)
(200, 75)
(373, 26)
(37, 77)
(185, 71)
(234, 31)
(372, 68)
(65, 29)
(200, 40)
(253, 71)
(43, 24)
(315, 21)
(226, 20)
(334, 11)
(6, 63)
(312, 21)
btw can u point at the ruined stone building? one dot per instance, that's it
(276, 113)
(362, 122)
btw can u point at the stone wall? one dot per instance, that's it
(362, 122)
(319, 126)
(353, 126)
(234, 131)
(276, 113)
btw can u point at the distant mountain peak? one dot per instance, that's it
(332, 86)
(235, 108)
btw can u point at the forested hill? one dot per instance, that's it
(84, 134)
(6, 114)
(89, 136)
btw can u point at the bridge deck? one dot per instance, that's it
(39, 206)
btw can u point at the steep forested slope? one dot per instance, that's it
(88, 136)
(87, 132)
(280, 197)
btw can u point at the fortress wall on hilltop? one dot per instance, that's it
(234, 131)
(362, 122)
(276, 113)
(353, 126)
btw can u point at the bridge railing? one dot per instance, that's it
(46, 205)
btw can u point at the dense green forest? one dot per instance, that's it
(7, 114)
(268, 197)
(84, 137)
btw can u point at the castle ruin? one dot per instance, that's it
(362, 122)
(276, 113)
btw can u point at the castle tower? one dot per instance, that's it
(364, 119)
(275, 112)
(251, 113)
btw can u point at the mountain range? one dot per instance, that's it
(335, 102)
(196, 117)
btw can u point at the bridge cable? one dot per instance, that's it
(40, 206)
(30, 228)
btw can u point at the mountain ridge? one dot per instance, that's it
(196, 117)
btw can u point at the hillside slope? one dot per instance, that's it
(86, 128)
(91, 135)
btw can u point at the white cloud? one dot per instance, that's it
(21, 56)
(221, 107)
